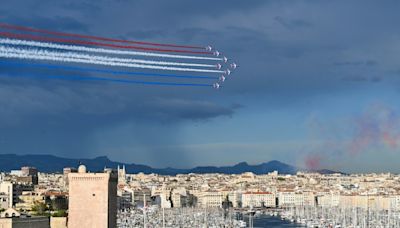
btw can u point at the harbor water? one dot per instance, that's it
(272, 222)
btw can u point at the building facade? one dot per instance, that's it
(92, 199)
(211, 199)
(258, 199)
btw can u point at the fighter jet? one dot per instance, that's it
(216, 53)
(233, 65)
(218, 66)
(227, 72)
(222, 78)
(225, 59)
(208, 48)
(216, 86)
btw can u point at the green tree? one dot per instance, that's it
(40, 208)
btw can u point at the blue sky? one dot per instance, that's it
(318, 86)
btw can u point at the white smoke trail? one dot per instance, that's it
(113, 59)
(8, 52)
(99, 50)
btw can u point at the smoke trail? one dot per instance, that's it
(64, 57)
(126, 81)
(313, 161)
(22, 28)
(114, 59)
(100, 50)
(377, 128)
(378, 125)
(91, 43)
(127, 73)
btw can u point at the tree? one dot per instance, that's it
(191, 200)
(40, 208)
(226, 204)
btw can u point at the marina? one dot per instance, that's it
(340, 217)
(178, 217)
(331, 217)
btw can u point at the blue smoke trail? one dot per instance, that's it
(90, 78)
(49, 66)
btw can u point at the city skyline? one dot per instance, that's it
(317, 86)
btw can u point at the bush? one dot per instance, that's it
(60, 213)
(40, 208)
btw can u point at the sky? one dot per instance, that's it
(318, 86)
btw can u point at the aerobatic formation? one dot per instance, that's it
(70, 56)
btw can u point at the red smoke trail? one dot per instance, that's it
(377, 126)
(380, 125)
(390, 139)
(82, 42)
(313, 161)
(28, 29)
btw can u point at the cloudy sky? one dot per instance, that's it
(318, 86)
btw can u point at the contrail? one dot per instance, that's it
(84, 69)
(8, 52)
(99, 50)
(28, 29)
(115, 59)
(92, 43)
(127, 81)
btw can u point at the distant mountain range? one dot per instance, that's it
(50, 163)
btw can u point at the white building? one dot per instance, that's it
(4, 201)
(328, 200)
(309, 199)
(8, 189)
(165, 202)
(291, 198)
(395, 202)
(178, 200)
(258, 199)
(210, 199)
(17, 173)
(236, 198)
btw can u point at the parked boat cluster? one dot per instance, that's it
(177, 217)
(341, 217)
